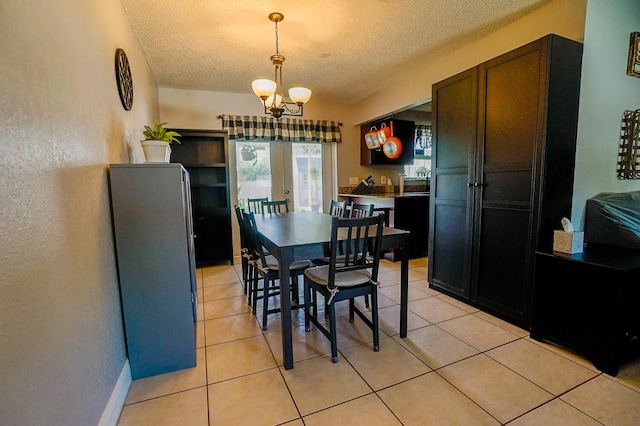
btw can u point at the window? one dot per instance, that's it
(421, 167)
(269, 169)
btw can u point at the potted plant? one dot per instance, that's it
(156, 143)
(248, 153)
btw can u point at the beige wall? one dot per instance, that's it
(606, 91)
(562, 17)
(61, 336)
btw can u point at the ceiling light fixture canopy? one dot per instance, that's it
(271, 92)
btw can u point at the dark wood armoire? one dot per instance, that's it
(503, 163)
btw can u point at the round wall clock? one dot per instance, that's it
(124, 80)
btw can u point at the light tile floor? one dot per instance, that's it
(458, 365)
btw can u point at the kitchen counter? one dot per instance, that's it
(408, 211)
(386, 195)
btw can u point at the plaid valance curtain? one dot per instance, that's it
(248, 128)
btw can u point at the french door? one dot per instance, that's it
(303, 173)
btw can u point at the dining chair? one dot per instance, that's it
(255, 204)
(338, 208)
(361, 210)
(346, 277)
(266, 267)
(245, 254)
(276, 206)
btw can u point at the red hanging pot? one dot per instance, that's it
(371, 138)
(392, 148)
(383, 133)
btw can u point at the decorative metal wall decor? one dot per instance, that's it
(124, 79)
(629, 149)
(633, 63)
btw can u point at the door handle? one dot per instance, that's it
(286, 191)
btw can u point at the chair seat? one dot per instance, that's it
(273, 264)
(320, 274)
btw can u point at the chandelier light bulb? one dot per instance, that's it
(300, 95)
(263, 88)
(269, 103)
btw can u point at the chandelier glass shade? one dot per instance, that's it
(271, 91)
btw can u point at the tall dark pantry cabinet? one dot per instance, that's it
(503, 162)
(151, 209)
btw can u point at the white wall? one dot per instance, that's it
(606, 91)
(61, 335)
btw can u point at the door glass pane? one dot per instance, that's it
(306, 159)
(254, 171)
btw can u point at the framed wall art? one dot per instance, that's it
(629, 147)
(633, 63)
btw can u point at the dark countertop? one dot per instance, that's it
(387, 195)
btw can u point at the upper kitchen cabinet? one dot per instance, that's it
(205, 155)
(503, 160)
(392, 142)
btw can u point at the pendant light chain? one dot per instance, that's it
(277, 50)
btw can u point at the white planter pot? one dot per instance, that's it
(156, 151)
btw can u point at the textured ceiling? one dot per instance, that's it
(343, 50)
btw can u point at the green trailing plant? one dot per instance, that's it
(159, 133)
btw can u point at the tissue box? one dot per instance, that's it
(568, 242)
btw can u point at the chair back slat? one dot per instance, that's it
(276, 206)
(361, 238)
(361, 210)
(253, 239)
(243, 233)
(338, 208)
(255, 204)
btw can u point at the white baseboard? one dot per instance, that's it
(112, 411)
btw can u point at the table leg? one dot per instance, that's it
(286, 258)
(404, 287)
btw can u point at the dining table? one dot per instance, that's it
(306, 235)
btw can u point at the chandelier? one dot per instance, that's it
(271, 92)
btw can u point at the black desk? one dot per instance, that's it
(589, 303)
(303, 235)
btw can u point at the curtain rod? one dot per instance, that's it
(339, 122)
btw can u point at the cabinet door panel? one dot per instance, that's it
(455, 127)
(511, 110)
(452, 186)
(447, 258)
(212, 239)
(456, 124)
(512, 186)
(503, 261)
